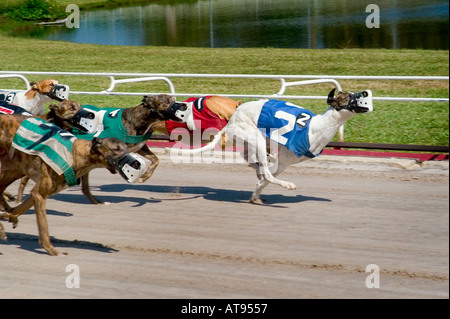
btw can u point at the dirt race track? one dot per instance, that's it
(190, 233)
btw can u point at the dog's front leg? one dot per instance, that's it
(2, 233)
(262, 183)
(148, 154)
(85, 188)
(41, 216)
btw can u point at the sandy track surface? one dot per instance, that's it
(189, 232)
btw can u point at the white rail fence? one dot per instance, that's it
(294, 80)
(166, 77)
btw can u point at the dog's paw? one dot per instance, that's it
(11, 218)
(143, 179)
(14, 221)
(106, 203)
(50, 250)
(290, 186)
(256, 200)
(9, 197)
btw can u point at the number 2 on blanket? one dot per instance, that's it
(301, 120)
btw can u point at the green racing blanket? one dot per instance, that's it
(52, 144)
(110, 125)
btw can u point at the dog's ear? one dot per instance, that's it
(331, 97)
(149, 102)
(36, 85)
(341, 100)
(158, 102)
(70, 107)
(337, 101)
(53, 107)
(65, 109)
(96, 142)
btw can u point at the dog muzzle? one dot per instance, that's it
(361, 102)
(59, 92)
(86, 120)
(184, 112)
(131, 166)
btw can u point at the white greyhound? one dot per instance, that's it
(299, 133)
(34, 99)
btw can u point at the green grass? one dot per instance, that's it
(391, 122)
(83, 4)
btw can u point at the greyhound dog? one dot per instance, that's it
(131, 125)
(60, 114)
(298, 133)
(34, 99)
(18, 158)
(209, 111)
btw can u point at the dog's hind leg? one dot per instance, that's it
(17, 211)
(21, 190)
(262, 183)
(264, 171)
(3, 202)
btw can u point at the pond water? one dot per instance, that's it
(263, 23)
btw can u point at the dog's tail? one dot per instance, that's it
(205, 148)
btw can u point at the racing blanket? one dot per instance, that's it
(7, 96)
(201, 113)
(110, 125)
(288, 125)
(7, 108)
(52, 144)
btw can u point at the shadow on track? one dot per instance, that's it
(185, 192)
(31, 243)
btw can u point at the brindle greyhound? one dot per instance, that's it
(137, 121)
(86, 155)
(60, 114)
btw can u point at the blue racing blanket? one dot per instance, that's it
(288, 125)
(52, 144)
